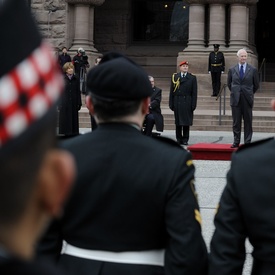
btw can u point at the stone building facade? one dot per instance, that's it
(139, 29)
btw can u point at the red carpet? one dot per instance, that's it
(211, 151)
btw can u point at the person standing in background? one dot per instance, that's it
(154, 117)
(243, 82)
(183, 101)
(93, 122)
(70, 103)
(64, 57)
(216, 66)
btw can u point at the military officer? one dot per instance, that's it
(246, 211)
(123, 218)
(183, 101)
(216, 65)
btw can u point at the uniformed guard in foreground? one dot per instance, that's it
(35, 176)
(134, 208)
(246, 212)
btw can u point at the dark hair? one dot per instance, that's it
(117, 108)
(19, 169)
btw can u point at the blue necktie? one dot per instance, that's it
(241, 72)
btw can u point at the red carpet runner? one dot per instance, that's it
(211, 151)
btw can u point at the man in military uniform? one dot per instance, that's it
(123, 218)
(216, 65)
(246, 211)
(183, 101)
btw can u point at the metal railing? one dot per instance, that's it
(262, 71)
(221, 95)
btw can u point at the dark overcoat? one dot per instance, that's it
(69, 105)
(246, 212)
(155, 108)
(118, 204)
(183, 98)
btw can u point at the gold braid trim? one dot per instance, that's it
(175, 82)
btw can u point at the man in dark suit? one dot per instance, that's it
(35, 175)
(243, 82)
(216, 65)
(154, 117)
(183, 101)
(246, 212)
(121, 218)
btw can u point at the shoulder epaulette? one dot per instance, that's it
(254, 143)
(167, 140)
(175, 82)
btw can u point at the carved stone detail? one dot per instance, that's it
(86, 2)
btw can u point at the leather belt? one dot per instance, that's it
(146, 257)
(215, 65)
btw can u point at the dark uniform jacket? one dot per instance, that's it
(15, 266)
(183, 98)
(246, 211)
(69, 105)
(247, 86)
(119, 204)
(216, 62)
(155, 108)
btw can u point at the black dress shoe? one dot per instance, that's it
(234, 145)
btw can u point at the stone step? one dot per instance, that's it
(206, 120)
(209, 115)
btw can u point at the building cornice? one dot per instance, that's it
(86, 2)
(241, 2)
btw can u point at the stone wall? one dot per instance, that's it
(112, 25)
(51, 16)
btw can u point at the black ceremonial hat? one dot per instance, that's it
(216, 46)
(30, 79)
(118, 77)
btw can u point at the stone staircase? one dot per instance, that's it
(211, 113)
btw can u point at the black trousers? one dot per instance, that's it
(182, 133)
(216, 82)
(242, 111)
(149, 123)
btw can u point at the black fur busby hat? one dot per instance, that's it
(118, 77)
(30, 79)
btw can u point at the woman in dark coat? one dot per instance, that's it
(183, 101)
(70, 103)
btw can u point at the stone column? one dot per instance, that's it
(196, 26)
(239, 26)
(251, 33)
(84, 24)
(216, 24)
